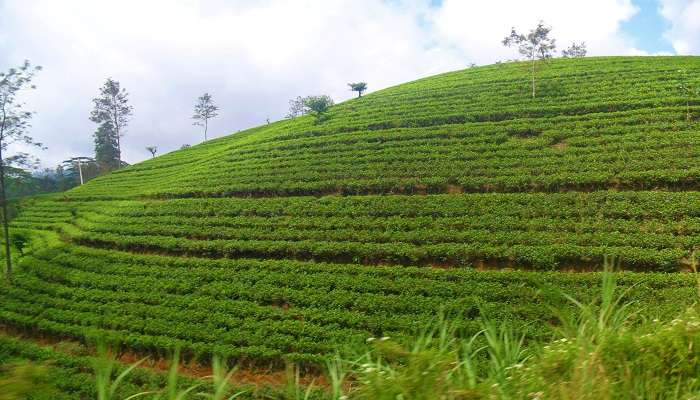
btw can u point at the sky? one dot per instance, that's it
(253, 56)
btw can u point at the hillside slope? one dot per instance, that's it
(599, 124)
(289, 239)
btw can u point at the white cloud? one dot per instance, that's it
(254, 56)
(478, 29)
(684, 16)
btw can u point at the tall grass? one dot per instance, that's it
(20, 379)
(603, 350)
(439, 364)
(217, 386)
(106, 384)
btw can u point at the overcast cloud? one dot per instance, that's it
(253, 56)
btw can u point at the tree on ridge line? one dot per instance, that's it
(358, 87)
(536, 45)
(204, 110)
(153, 150)
(576, 50)
(314, 105)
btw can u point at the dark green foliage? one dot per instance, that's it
(19, 240)
(358, 87)
(318, 106)
(106, 147)
(265, 311)
(313, 105)
(22, 183)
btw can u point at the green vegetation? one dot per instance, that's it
(602, 123)
(458, 193)
(603, 350)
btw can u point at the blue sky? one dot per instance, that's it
(647, 27)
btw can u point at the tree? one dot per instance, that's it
(296, 108)
(687, 91)
(536, 45)
(14, 122)
(204, 110)
(152, 150)
(106, 147)
(81, 169)
(185, 146)
(358, 87)
(317, 106)
(112, 105)
(576, 50)
(314, 105)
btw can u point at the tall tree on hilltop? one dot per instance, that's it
(204, 110)
(358, 87)
(14, 122)
(536, 45)
(112, 105)
(106, 147)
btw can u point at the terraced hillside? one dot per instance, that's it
(294, 239)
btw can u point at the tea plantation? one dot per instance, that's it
(456, 193)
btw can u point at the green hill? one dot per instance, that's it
(293, 239)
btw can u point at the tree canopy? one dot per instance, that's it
(358, 87)
(204, 110)
(106, 148)
(112, 105)
(14, 123)
(576, 50)
(536, 45)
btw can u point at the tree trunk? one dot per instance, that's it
(115, 115)
(119, 145)
(359, 94)
(80, 171)
(206, 123)
(5, 223)
(119, 151)
(533, 77)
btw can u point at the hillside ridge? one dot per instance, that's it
(288, 241)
